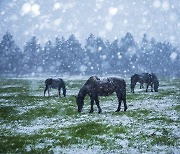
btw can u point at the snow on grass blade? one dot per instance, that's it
(32, 123)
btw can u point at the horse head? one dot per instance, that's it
(156, 85)
(155, 82)
(80, 98)
(79, 102)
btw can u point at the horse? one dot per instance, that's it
(94, 87)
(55, 84)
(149, 79)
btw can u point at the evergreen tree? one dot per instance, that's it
(48, 57)
(114, 57)
(32, 56)
(106, 58)
(67, 56)
(94, 48)
(127, 53)
(10, 55)
(74, 54)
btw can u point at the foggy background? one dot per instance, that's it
(89, 37)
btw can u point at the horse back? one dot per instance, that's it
(54, 83)
(114, 84)
(135, 78)
(103, 88)
(145, 78)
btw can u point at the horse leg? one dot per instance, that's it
(64, 91)
(151, 87)
(119, 96)
(141, 85)
(59, 92)
(132, 88)
(48, 92)
(124, 101)
(147, 87)
(97, 103)
(92, 103)
(46, 88)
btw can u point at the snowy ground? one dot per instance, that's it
(33, 123)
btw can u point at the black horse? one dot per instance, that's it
(149, 79)
(94, 87)
(55, 84)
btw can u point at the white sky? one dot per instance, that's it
(109, 19)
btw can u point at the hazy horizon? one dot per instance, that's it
(108, 19)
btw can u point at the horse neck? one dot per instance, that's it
(82, 92)
(135, 79)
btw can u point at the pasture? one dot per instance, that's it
(30, 122)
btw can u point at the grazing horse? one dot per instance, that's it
(94, 87)
(149, 79)
(55, 84)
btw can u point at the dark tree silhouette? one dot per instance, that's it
(121, 56)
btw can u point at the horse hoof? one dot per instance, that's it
(117, 110)
(91, 111)
(99, 111)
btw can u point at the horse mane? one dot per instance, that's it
(83, 89)
(91, 80)
(135, 75)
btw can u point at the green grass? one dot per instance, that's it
(30, 122)
(177, 108)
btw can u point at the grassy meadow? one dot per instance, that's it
(32, 123)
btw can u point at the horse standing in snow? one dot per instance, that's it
(55, 84)
(94, 87)
(149, 79)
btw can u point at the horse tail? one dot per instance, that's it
(134, 79)
(123, 93)
(46, 88)
(123, 89)
(131, 85)
(120, 85)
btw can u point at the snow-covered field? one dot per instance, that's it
(30, 122)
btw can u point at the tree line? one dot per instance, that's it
(67, 56)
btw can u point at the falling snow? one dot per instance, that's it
(75, 39)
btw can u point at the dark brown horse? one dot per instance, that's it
(149, 79)
(55, 84)
(94, 87)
